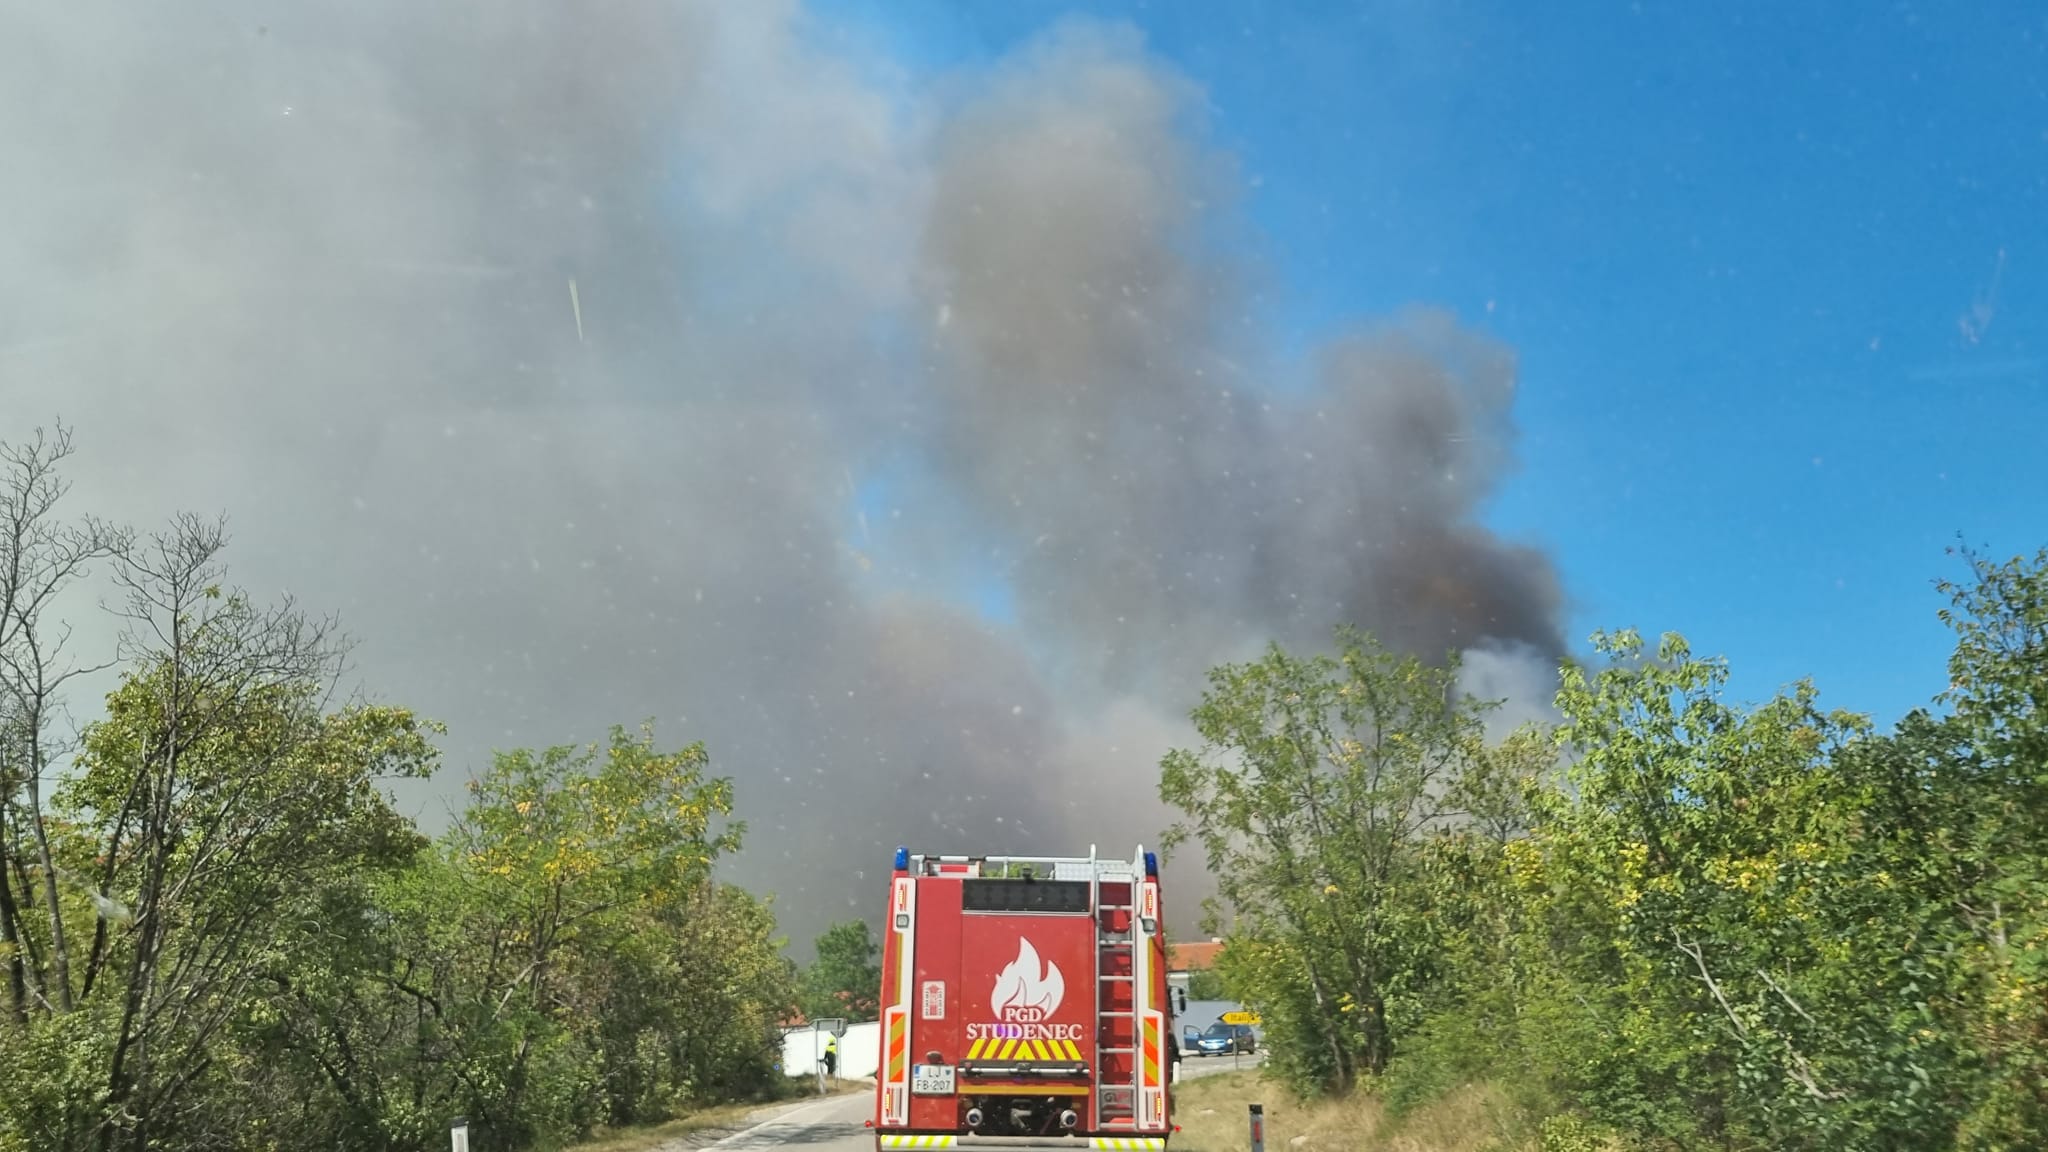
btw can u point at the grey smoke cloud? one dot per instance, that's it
(1165, 508)
(312, 265)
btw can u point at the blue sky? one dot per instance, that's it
(1734, 246)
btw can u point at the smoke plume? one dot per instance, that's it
(555, 346)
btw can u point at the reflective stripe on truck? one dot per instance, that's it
(1096, 1142)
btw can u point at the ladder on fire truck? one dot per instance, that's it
(1123, 980)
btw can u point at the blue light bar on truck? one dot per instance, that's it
(1152, 865)
(902, 858)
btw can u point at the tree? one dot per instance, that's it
(568, 852)
(564, 838)
(220, 792)
(40, 558)
(1993, 836)
(845, 980)
(1318, 778)
(1779, 928)
(1708, 833)
(219, 933)
(1207, 984)
(715, 987)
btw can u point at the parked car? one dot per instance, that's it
(1222, 1039)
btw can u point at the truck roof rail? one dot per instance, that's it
(1089, 867)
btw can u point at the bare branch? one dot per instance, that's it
(40, 556)
(1693, 950)
(1786, 997)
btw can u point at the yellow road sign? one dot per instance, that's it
(1240, 1018)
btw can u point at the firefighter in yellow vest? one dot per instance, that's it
(832, 1056)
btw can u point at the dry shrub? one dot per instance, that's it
(1213, 1116)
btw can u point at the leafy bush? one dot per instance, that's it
(1763, 927)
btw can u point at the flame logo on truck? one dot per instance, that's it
(1026, 993)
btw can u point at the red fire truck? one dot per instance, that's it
(1024, 1003)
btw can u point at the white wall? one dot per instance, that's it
(860, 1051)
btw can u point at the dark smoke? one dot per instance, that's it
(1095, 404)
(312, 265)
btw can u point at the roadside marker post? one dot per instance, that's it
(1258, 1128)
(458, 1134)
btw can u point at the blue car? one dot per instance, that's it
(1222, 1039)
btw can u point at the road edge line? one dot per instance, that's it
(782, 1119)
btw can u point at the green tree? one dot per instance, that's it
(207, 814)
(1989, 842)
(359, 1038)
(220, 797)
(1318, 778)
(1708, 833)
(1767, 926)
(845, 978)
(560, 959)
(1207, 984)
(728, 987)
(217, 932)
(565, 851)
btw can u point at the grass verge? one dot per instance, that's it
(1214, 1116)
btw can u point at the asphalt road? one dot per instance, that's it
(1192, 1067)
(837, 1123)
(834, 1124)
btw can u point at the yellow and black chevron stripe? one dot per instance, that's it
(997, 1048)
(893, 1142)
(1127, 1143)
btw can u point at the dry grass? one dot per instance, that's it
(1214, 1116)
(705, 1126)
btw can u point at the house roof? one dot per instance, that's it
(1189, 957)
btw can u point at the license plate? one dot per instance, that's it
(932, 1080)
